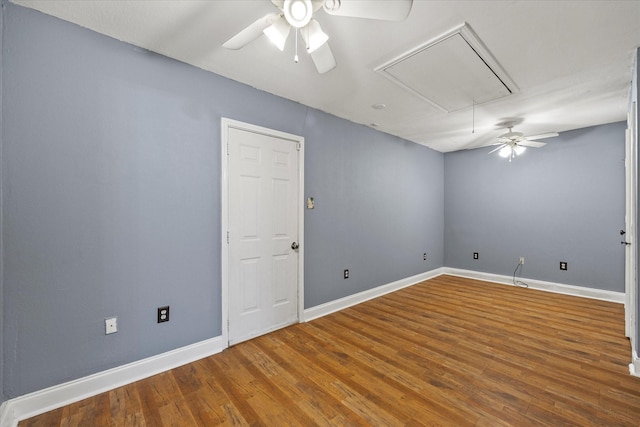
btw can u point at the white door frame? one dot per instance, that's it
(631, 253)
(631, 175)
(225, 125)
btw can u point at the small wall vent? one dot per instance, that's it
(451, 72)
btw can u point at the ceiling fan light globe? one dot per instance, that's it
(519, 149)
(505, 152)
(297, 12)
(278, 32)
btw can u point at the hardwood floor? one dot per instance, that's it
(448, 351)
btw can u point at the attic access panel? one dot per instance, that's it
(451, 72)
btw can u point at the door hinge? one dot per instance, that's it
(298, 145)
(227, 148)
(227, 237)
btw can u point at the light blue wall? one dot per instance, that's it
(379, 208)
(111, 177)
(564, 202)
(110, 202)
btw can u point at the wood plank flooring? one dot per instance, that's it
(446, 352)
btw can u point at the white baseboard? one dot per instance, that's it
(351, 300)
(558, 288)
(634, 366)
(6, 418)
(39, 402)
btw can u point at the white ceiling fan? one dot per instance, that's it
(298, 14)
(512, 144)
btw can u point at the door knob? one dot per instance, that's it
(295, 246)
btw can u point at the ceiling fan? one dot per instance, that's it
(299, 15)
(512, 144)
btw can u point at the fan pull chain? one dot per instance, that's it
(473, 116)
(295, 58)
(306, 43)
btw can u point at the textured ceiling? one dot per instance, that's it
(570, 60)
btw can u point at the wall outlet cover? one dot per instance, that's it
(110, 325)
(163, 314)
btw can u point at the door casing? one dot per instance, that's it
(631, 190)
(227, 124)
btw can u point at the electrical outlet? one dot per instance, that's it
(346, 274)
(424, 256)
(476, 255)
(521, 260)
(110, 325)
(563, 265)
(163, 314)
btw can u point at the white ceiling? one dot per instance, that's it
(571, 60)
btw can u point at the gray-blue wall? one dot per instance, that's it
(111, 200)
(563, 202)
(379, 207)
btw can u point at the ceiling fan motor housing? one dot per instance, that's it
(297, 12)
(331, 4)
(513, 136)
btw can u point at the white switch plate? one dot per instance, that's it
(111, 325)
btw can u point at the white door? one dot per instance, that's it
(263, 225)
(629, 237)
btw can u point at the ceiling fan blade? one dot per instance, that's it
(543, 136)
(385, 10)
(534, 144)
(499, 147)
(251, 33)
(323, 59)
